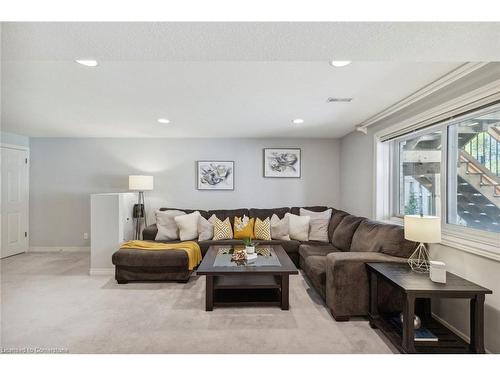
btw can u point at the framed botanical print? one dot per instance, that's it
(282, 162)
(215, 175)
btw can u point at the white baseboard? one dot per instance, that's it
(102, 272)
(455, 330)
(56, 249)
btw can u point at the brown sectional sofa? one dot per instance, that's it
(336, 269)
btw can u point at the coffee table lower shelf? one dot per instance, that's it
(246, 290)
(448, 342)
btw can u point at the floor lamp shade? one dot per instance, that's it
(425, 229)
(140, 183)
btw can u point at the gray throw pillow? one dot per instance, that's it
(318, 229)
(279, 228)
(205, 229)
(167, 227)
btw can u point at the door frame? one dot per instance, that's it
(27, 149)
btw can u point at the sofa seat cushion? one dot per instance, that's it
(316, 250)
(151, 258)
(315, 269)
(372, 236)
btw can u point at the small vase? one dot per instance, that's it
(250, 249)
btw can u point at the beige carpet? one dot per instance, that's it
(49, 301)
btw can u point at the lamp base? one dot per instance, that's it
(419, 260)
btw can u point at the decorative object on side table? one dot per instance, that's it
(282, 162)
(215, 175)
(422, 229)
(140, 184)
(438, 272)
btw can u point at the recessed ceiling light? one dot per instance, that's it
(164, 121)
(339, 63)
(91, 63)
(298, 121)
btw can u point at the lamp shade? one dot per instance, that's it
(140, 183)
(423, 228)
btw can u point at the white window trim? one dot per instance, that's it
(482, 243)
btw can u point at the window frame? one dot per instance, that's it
(387, 190)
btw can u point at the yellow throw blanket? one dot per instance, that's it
(190, 247)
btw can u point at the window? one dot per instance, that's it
(419, 175)
(450, 169)
(473, 177)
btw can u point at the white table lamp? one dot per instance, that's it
(421, 229)
(140, 184)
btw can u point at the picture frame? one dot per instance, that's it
(213, 175)
(282, 162)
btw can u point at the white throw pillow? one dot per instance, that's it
(167, 227)
(279, 228)
(298, 227)
(205, 229)
(318, 230)
(188, 225)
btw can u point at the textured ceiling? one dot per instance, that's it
(251, 41)
(221, 79)
(202, 99)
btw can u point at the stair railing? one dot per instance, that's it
(486, 150)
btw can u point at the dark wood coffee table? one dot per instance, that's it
(418, 289)
(260, 283)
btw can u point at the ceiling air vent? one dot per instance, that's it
(339, 100)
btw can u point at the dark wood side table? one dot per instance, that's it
(419, 288)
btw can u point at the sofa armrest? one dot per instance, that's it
(149, 233)
(347, 288)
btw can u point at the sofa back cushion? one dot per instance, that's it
(262, 213)
(188, 211)
(383, 238)
(296, 210)
(342, 236)
(335, 220)
(231, 214)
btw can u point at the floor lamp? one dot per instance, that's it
(140, 184)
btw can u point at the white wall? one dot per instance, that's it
(64, 172)
(356, 196)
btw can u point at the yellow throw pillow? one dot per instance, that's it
(262, 230)
(243, 227)
(222, 230)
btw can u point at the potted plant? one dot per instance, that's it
(249, 246)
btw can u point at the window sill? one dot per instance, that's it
(472, 245)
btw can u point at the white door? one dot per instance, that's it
(14, 201)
